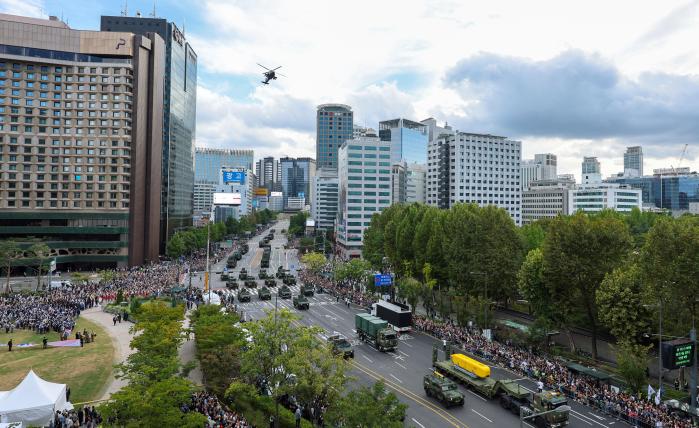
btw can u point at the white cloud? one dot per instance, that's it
(31, 8)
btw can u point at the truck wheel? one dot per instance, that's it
(504, 403)
(427, 392)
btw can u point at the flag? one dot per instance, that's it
(651, 391)
(658, 395)
(65, 343)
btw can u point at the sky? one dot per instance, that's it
(571, 78)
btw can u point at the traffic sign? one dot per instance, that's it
(678, 353)
(382, 280)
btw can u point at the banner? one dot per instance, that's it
(65, 343)
(26, 345)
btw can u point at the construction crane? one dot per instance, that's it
(684, 152)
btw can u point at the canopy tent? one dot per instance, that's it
(33, 402)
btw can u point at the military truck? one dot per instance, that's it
(281, 273)
(263, 274)
(244, 249)
(264, 263)
(306, 290)
(284, 292)
(443, 389)
(231, 284)
(264, 294)
(251, 283)
(270, 282)
(231, 263)
(289, 279)
(244, 295)
(243, 275)
(341, 346)
(237, 255)
(224, 276)
(476, 376)
(375, 331)
(301, 302)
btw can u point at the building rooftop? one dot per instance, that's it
(51, 22)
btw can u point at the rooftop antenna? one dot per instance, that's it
(153, 14)
(125, 9)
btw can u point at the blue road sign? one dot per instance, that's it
(225, 269)
(382, 280)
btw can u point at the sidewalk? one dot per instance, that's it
(120, 336)
(188, 352)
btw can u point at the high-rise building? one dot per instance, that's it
(365, 189)
(595, 197)
(408, 140)
(591, 171)
(267, 172)
(415, 183)
(210, 161)
(667, 189)
(179, 113)
(324, 198)
(542, 167)
(399, 184)
(633, 161)
(82, 116)
(545, 199)
(236, 186)
(334, 125)
(296, 178)
(474, 168)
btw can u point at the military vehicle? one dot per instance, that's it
(281, 273)
(443, 389)
(263, 244)
(244, 249)
(264, 263)
(224, 276)
(231, 284)
(289, 280)
(341, 346)
(263, 274)
(375, 331)
(251, 283)
(301, 302)
(243, 276)
(306, 290)
(244, 295)
(237, 255)
(264, 294)
(476, 376)
(284, 292)
(270, 282)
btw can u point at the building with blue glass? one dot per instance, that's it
(296, 178)
(179, 112)
(334, 125)
(208, 162)
(665, 189)
(408, 140)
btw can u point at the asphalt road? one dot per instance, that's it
(402, 371)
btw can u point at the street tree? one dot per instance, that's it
(532, 286)
(620, 300)
(9, 253)
(314, 261)
(356, 270)
(578, 252)
(175, 246)
(368, 407)
(373, 248)
(632, 362)
(409, 289)
(41, 253)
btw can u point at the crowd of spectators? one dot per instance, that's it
(218, 415)
(86, 417)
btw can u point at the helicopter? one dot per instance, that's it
(270, 74)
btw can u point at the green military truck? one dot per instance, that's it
(251, 283)
(231, 284)
(264, 294)
(270, 282)
(306, 290)
(341, 346)
(375, 331)
(244, 295)
(289, 279)
(224, 276)
(231, 263)
(284, 292)
(281, 273)
(301, 302)
(443, 389)
(263, 274)
(512, 396)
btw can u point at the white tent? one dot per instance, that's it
(34, 401)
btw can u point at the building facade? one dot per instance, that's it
(595, 198)
(267, 172)
(235, 189)
(399, 184)
(408, 140)
(334, 125)
(667, 189)
(80, 118)
(591, 171)
(179, 113)
(545, 199)
(296, 178)
(364, 189)
(633, 161)
(544, 166)
(415, 183)
(324, 198)
(475, 168)
(208, 162)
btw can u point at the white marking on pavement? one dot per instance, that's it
(479, 414)
(367, 358)
(476, 395)
(407, 344)
(596, 416)
(576, 417)
(391, 374)
(404, 368)
(414, 420)
(403, 353)
(586, 418)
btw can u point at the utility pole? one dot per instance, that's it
(660, 346)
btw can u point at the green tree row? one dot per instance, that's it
(13, 254)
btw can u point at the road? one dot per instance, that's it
(402, 370)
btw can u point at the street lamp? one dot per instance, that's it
(660, 342)
(559, 409)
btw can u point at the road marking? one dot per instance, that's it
(576, 417)
(367, 358)
(403, 353)
(479, 414)
(586, 419)
(596, 416)
(407, 344)
(476, 395)
(391, 374)
(418, 422)
(404, 368)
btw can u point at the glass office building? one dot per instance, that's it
(208, 162)
(672, 192)
(297, 176)
(179, 112)
(408, 140)
(334, 125)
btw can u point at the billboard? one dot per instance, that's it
(233, 177)
(678, 353)
(382, 280)
(227, 199)
(260, 191)
(279, 194)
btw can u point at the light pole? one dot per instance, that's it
(660, 343)
(559, 409)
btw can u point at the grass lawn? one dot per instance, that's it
(85, 370)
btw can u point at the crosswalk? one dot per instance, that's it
(262, 305)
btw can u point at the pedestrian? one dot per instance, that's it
(9, 345)
(540, 386)
(114, 319)
(297, 415)
(119, 318)
(44, 341)
(81, 340)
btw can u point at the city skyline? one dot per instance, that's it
(424, 74)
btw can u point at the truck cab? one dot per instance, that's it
(306, 290)
(443, 389)
(284, 292)
(301, 302)
(244, 295)
(341, 346)
(264, 294)
(547, 401)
